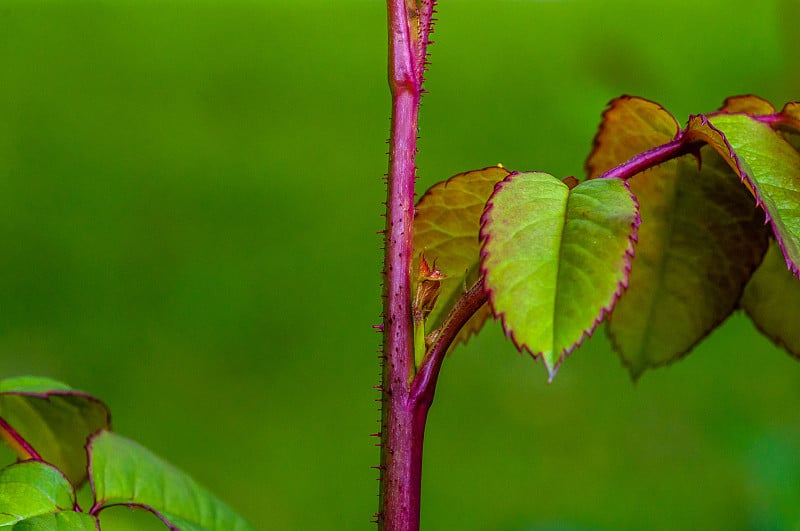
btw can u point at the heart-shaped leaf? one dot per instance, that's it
(46, 420)
(446, 227)
(555, 259)
(124, 472)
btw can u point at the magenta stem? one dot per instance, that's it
(651, 158)
(402, 428)
(424, 386)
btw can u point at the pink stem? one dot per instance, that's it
(424, 386)
(402, 430)
(649, 159)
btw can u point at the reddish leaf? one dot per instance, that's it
(749, 104)
(446, 230)
(767, 164)
(700, 240)
(630, 126)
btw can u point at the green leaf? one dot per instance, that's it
(63, 521)
(772, 301)
(124, 472)
(33, 488)
(700, 239)
(32, 384)
(446, 227)
(556, 259)
(48, 418)
(767, 164)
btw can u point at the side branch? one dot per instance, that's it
(424, 385)
(651, 158)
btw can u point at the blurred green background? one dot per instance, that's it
(190, 192)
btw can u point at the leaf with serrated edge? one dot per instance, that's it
(446, 226)
(555, 259)
(124, 472)
(701, 238)
(772, 301)
(32, 488)
(767, 164)
(52, 419)
(628, 124)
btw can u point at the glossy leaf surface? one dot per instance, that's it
(53, 420)
(446, 230)
(556, 259)
(772, 301)
(768, 164)
(124, 472)
(30, 489)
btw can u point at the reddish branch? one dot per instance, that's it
(424, 385)
(402, 430)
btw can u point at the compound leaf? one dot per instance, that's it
(555, 259)
(700, 237)
(124, 472)
(49, 421)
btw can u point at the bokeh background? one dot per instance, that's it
(190, 192)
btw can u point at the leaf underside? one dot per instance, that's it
(555, 259)
(700, 240)
(701, 234)
(54, 420)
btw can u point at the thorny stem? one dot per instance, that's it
(402, 427)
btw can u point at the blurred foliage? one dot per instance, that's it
(190, 193)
